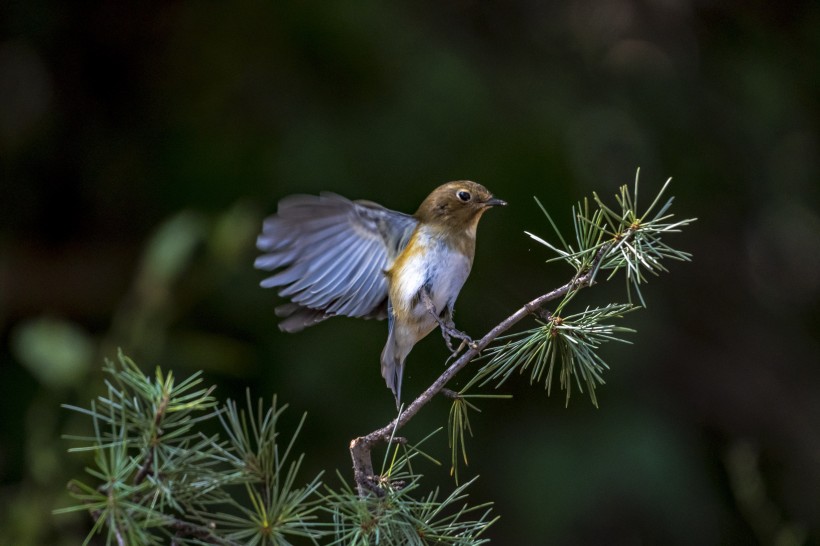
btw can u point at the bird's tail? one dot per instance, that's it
(393, 368)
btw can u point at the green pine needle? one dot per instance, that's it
(156, 479)
(566, 345)
(631, 240)
(397, 518)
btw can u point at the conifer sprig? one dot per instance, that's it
(157, 479)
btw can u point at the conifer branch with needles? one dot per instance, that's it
(605, 239)
(156, 480)
(159, 480)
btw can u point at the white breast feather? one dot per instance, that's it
(412, 279)
(444, 270)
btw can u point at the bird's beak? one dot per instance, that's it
(495, 202)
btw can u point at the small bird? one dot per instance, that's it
(332, 256)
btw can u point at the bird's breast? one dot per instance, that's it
(428, 263)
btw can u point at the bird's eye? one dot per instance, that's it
(463, 195)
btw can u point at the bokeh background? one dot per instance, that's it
(142, 143)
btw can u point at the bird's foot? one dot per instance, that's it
(448, 328)
(449, 331)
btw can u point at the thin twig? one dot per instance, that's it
(146, 466)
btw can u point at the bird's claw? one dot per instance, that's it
(449, 331)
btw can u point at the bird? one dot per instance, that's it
(331, 256)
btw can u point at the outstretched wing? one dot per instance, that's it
(329, 255)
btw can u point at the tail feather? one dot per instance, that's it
(393, 368)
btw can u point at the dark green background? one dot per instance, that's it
(120, 119)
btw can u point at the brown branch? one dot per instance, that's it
(451, 394)
(146, 467)
(367, 481)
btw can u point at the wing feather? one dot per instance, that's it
(328, 256)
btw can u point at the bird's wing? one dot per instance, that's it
(329, 255)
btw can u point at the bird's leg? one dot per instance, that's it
(448, 327)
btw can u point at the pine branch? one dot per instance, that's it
(361, 447)
(398, 517)
(161, 482)
(606, 240)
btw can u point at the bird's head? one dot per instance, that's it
(457, 206)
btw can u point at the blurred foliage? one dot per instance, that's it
(58, 353)
(133, 132)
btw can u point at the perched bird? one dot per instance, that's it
(332, 256)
